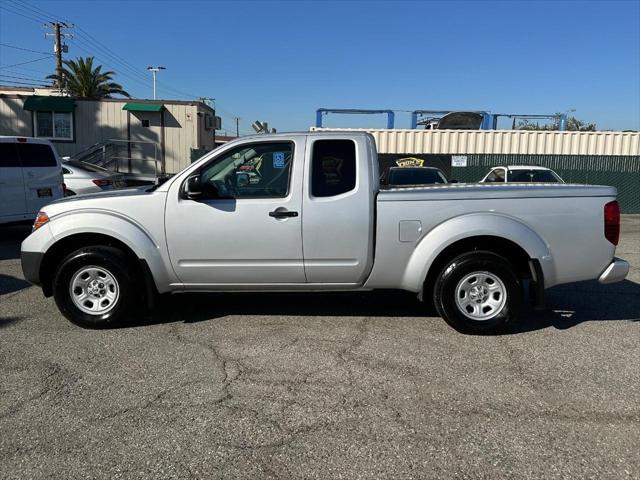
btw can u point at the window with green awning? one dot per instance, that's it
(36, 103)
(143, 107)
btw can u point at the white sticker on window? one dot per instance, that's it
(278, 159)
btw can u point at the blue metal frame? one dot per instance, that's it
(391, 116)
(489, 120)
(486, 117)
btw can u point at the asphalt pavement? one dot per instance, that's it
(367, 385)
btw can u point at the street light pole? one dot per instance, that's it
(154, 71)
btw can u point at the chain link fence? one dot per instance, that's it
(622, 172)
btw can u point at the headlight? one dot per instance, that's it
(41, 219)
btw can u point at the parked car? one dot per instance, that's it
(314, 218)
(30, 177)
(405, 176)
(82, 177)
(521, 174)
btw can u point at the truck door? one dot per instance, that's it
(42, 175)
(12, 199)
(338, 207)
(245, 230)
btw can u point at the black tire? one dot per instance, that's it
(109, 259)
(463, 267)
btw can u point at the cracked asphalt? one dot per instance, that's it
(367, 385)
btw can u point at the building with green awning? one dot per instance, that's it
(151, 137)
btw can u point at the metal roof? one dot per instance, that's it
(456, 142)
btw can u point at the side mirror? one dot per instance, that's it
(193, 187)
(453, 181)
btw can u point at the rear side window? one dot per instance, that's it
(36, 155)
(333, 167)
(9, 155)
(541, 176)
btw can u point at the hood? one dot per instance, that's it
(127, 192)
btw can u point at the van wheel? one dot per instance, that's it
(478, 292)
(94, 287)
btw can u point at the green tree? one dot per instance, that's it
(81, 79)
(573, 124)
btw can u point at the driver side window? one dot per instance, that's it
(258, 170)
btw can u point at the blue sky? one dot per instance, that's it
(279, 61)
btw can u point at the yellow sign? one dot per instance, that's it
(410, 162)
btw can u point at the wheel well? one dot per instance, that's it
(507, 249)
(65, 246)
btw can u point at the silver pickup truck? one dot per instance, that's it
(304, 211)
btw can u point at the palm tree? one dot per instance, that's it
(81, 79)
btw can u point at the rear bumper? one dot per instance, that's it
(31, 266)
(615, 272)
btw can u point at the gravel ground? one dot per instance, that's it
(321, 386)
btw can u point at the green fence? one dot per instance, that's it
(622, 172)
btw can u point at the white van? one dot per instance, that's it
(30, 177)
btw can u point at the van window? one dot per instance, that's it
(333, 167)
(9, 155)
(36, 155)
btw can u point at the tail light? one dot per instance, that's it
(612, 222)
(102, 183)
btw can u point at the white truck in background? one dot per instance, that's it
(304, 211)
(30, 177)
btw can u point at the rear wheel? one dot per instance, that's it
(94, 287)
(478, 292)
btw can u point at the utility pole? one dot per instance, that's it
(237, 126)
(59, 47)
(154, 71)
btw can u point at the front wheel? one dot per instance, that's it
(478, 292)
(94, 287)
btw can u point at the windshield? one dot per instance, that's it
(415, 176)
(535, 176)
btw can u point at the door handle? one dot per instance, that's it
(282, 214)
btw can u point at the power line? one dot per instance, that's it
(113, 59)
(24, 49)
(28, 17)
(110, 65)
(23, 78)
(34, 10)
(30, 84)
(118, 63)
(24, 63)
(26, 71)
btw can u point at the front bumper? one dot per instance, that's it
(615, 272)
(31, 266)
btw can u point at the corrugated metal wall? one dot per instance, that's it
(516, 142)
